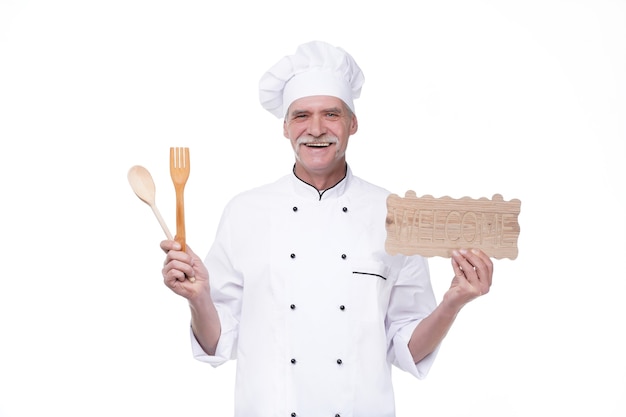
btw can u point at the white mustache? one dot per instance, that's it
(303, 140)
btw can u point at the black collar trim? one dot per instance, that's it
(321, 193)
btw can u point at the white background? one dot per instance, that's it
(462, 98)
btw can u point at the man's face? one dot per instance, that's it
(319, 128)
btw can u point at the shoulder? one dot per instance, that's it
(365, 193)
(358, 184)
(262, 195)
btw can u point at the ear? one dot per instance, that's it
(354, 125)
(285, 133)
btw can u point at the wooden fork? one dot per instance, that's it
(179, 171)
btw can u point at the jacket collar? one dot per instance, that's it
(306, 190)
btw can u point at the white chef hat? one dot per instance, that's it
(316, 69)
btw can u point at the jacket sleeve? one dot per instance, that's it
(226, 291)
(412, 299)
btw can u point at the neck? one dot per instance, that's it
(321, 180)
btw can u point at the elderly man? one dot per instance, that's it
(297, 285)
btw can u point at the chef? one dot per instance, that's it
(297, 286)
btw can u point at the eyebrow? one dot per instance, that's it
(328, 110)
(334, 110)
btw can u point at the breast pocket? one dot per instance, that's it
(369, 290)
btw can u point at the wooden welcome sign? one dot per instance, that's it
(431, 226)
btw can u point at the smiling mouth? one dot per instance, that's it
(318, 144)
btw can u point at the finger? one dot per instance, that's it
(172, 249)
(475, 269)
(466, 267)
(177, 255)
(467, 288)
(173, 278)
(457, 269)
(170, 276)
(168, 245)
(182, 287)
(178, 269)
(483, 265)
(483, 268)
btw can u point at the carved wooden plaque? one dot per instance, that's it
(431, 226)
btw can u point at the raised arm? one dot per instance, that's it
(473, 272)
(178, 271)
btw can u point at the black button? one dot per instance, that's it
(342, 307)
(344, 256)
(337, 415)
(293, 255)
(293, 306)
(293, 360)
(339, 361)
(295, 208)
(293, 414)
(345, 209)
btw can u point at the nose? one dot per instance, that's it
(316, 126)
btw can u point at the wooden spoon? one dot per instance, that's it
(143, 185)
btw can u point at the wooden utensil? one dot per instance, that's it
(142, 184)
(179, 171)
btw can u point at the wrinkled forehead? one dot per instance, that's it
(318, 103)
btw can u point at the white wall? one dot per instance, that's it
(526, 99)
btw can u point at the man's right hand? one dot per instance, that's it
(184, 272)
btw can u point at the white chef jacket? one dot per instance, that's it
(311, 306)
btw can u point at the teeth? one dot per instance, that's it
(318, 144)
